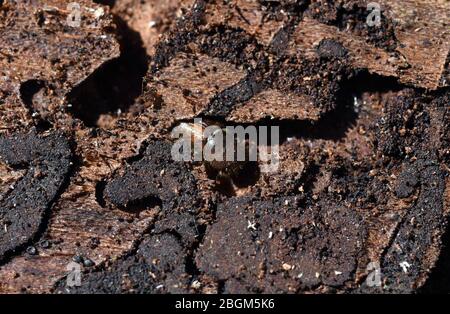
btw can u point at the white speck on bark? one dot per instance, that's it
(405, 266)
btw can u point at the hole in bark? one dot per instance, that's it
(114, 86)
(99, 190)
(109, 3)
(28, 90)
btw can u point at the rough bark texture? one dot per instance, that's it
(86, 174)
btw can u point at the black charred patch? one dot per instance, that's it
(23, 209)
(329, 48)
(416, 233)
(157, 266)
(155, 179)
(183, 225)
(271, 246)
(231, 45)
